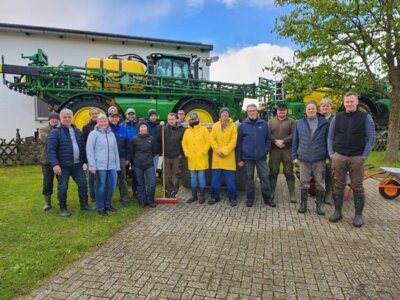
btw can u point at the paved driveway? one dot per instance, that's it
(193, 251)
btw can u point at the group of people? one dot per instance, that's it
(108, 147)
(321, 145)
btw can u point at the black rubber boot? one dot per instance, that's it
(47, 202)
(272, 181)
(292, 195)
(194, 196)
(303, 203)
(338, 201)
(320, 201)
(358, 206)
(202, 196)
(63, 210)
(85, 205)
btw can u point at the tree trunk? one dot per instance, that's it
(392, 147)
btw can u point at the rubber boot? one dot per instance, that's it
(202, 196)
(85, 205)
(47, 202)
(63, 210)
(292, 195)
(320, 200)
(272, 181)
(328, 197)
(338, 201)
(193, 197)
(303, 203)
(358, 206)
(92, 196)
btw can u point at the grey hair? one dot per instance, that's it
(251, 105)
(66, 111)
(102, 117)
(311, 102)
(326, 101)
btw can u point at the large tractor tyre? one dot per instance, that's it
(391, 190)
(364, 108)
(81, 111)
(240, 176)
(206, 112)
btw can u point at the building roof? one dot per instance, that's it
(63, 33)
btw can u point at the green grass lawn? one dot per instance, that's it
(377, 159)
(35, 245)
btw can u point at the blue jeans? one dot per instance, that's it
(78, 175)
(91, 181)
(106, 182)
(201, 176)
(216, 183)
(142, 176)
(156, 158)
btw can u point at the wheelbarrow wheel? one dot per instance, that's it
(391, 190)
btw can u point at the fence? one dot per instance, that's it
(27, 151)
(19, 152)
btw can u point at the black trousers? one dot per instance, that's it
(48, 179)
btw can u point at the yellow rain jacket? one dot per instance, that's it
(195, 144)
(224, 141)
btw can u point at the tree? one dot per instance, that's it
(346, 45)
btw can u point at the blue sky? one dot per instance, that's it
(240, 30)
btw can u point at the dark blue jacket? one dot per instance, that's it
(153, 130)
(309, 149)
(131, 128)
(122, 140)
(254, 140)
(59, 146)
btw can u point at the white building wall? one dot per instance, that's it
(18, 110)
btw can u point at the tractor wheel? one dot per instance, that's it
(81, 111)
(391, 190)
(364, 108)
(206, 113)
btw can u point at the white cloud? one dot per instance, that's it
(194, 6)
(228, 3)
(246, 65)
(94, 15)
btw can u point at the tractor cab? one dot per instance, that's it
(170, 65)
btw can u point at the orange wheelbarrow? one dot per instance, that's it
(389, 186)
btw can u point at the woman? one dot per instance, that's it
(143, 148)
(195, 145)
(104, 162)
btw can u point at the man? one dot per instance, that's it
(195, 145)
(173, 135)
(325, 107)
(309, 151)
(123, 150)
(282, 129)
(67, 155)
(47, 170)
(350, 141)
(131, 123)
(223, 142)
(181, 118)
(88, 128)
(253, 145)
(153, 127)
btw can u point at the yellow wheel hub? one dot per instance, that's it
(204, 116)
(81, 117)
